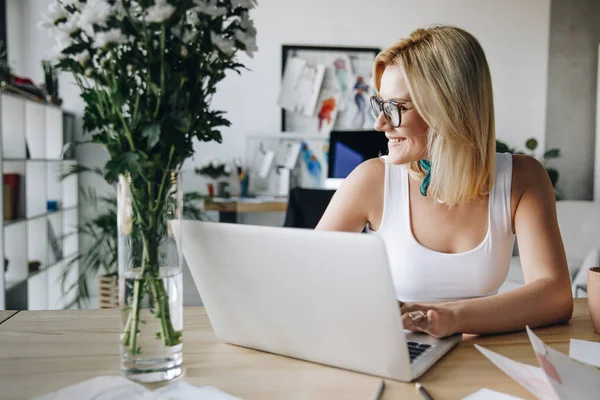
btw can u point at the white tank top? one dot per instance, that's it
(422, 274)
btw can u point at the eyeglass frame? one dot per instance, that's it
(380, 102)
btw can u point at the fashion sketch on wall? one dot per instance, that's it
(346, 86)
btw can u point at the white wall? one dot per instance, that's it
(14, 33)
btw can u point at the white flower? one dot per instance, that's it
(192, 17)
(56, 11)
(73, 3)
(95, 12)
(102, 39)
(227, 46)
(209, 8)
(247, 24)
(82, 57)
(249, 4)
(120, 10)
(248, 40)
(189, 36)
(159, 12)
(247, 34)
(70, 25)
(227, 169)
(184, 52)
(56, 53)
(215, 163)
(63, 41)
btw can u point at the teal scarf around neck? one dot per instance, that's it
(426, 165)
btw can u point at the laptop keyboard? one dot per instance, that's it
(415, 350)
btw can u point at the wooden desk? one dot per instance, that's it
(228, 211)
(4, 315)
(42, 351)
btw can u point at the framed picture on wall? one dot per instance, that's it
(343, 78)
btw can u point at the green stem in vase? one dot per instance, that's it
(149, 226)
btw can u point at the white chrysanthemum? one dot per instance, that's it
(189, 36)
(95, 12)
(209, 8)
(74, 3)
(215, 163)
(120, 10)
(70, 25)
(159, 12)
(227, 46)
(82, 57)
(249, 4)
(247, 24)
(192, 17)
(56, 11)
(111, 36)
(227, 169)
(248, 40)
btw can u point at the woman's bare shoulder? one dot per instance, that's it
(529, 175)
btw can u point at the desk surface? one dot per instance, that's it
(4, 315)
(42, 351)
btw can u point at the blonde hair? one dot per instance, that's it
(451, 88)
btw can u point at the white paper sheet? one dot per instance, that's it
(560, 377)
(488, 394)
(119, 388)
(585, 351)
(570, 379)
(531, 378)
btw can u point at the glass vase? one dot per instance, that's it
(150, 283)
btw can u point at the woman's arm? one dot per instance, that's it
(356, 202)
(546, 297)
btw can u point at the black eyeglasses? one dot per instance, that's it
(392, 110)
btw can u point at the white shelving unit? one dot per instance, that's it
(31, 143)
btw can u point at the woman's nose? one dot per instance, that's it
(382, 124)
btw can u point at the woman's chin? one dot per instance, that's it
(399, 156)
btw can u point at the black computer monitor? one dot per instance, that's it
(347, 149)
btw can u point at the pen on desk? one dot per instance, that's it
(422, 390)
(379, 391)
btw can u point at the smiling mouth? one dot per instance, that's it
(396, 140)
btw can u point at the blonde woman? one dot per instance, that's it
(445, 204)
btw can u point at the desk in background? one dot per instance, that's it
(230, 208)
(43, 351)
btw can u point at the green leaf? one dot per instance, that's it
(122, 163)
(552, 153)
(502, 147)
(531, 144)
(152, 133)
(153, 88)
(553, 174)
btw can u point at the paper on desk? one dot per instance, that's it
(531, 378)
(559, 377)
(586, 352)
(119, 388)
(487, 394)
(570, 379)
(182, 390)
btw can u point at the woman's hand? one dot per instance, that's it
(437, 320)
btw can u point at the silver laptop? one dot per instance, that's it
(325, 297)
